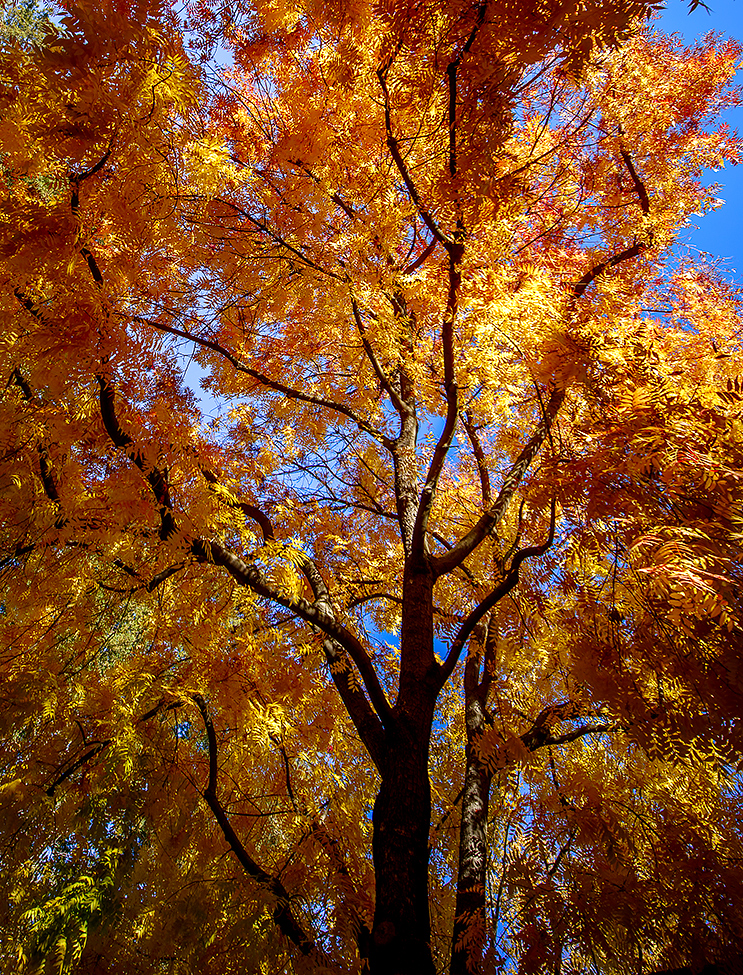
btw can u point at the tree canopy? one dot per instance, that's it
(371, 453)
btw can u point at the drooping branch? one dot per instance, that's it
(157, 479)
(283, 914)
(100, 746)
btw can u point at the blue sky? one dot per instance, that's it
(719, 232)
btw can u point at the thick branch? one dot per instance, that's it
(46, 468)
(366, 721)
(637, 182)
(251, 577)
(156, 478)
(480, 460)
(362, 714)
(456, 250)
(96, 750)
(249, 510)
(335, 196)
(729, 966)
(466, 545)
(77, 178)
(422, 258)
(598, 269)
(451, 73)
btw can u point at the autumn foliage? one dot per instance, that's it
(371, 458)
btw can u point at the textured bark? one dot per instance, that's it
(468, 938)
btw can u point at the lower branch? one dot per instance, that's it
(283, 914)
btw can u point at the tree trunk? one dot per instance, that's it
(401, 937)
(402, 932)
(468, 938)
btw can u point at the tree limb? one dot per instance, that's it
(250, 576)
(157, 479)
(484, 525)
(394, 147)
(455, 251)
(264, 380)
(509, 582)
(283, 914)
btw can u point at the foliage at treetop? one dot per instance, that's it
(413, 642)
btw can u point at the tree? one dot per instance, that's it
(424, 654)
(25, 23)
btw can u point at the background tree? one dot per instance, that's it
(25, 23)
(425, 653)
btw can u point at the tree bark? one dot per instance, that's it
(468, 938)
(401, 935)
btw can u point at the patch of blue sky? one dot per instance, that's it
(718, 232)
